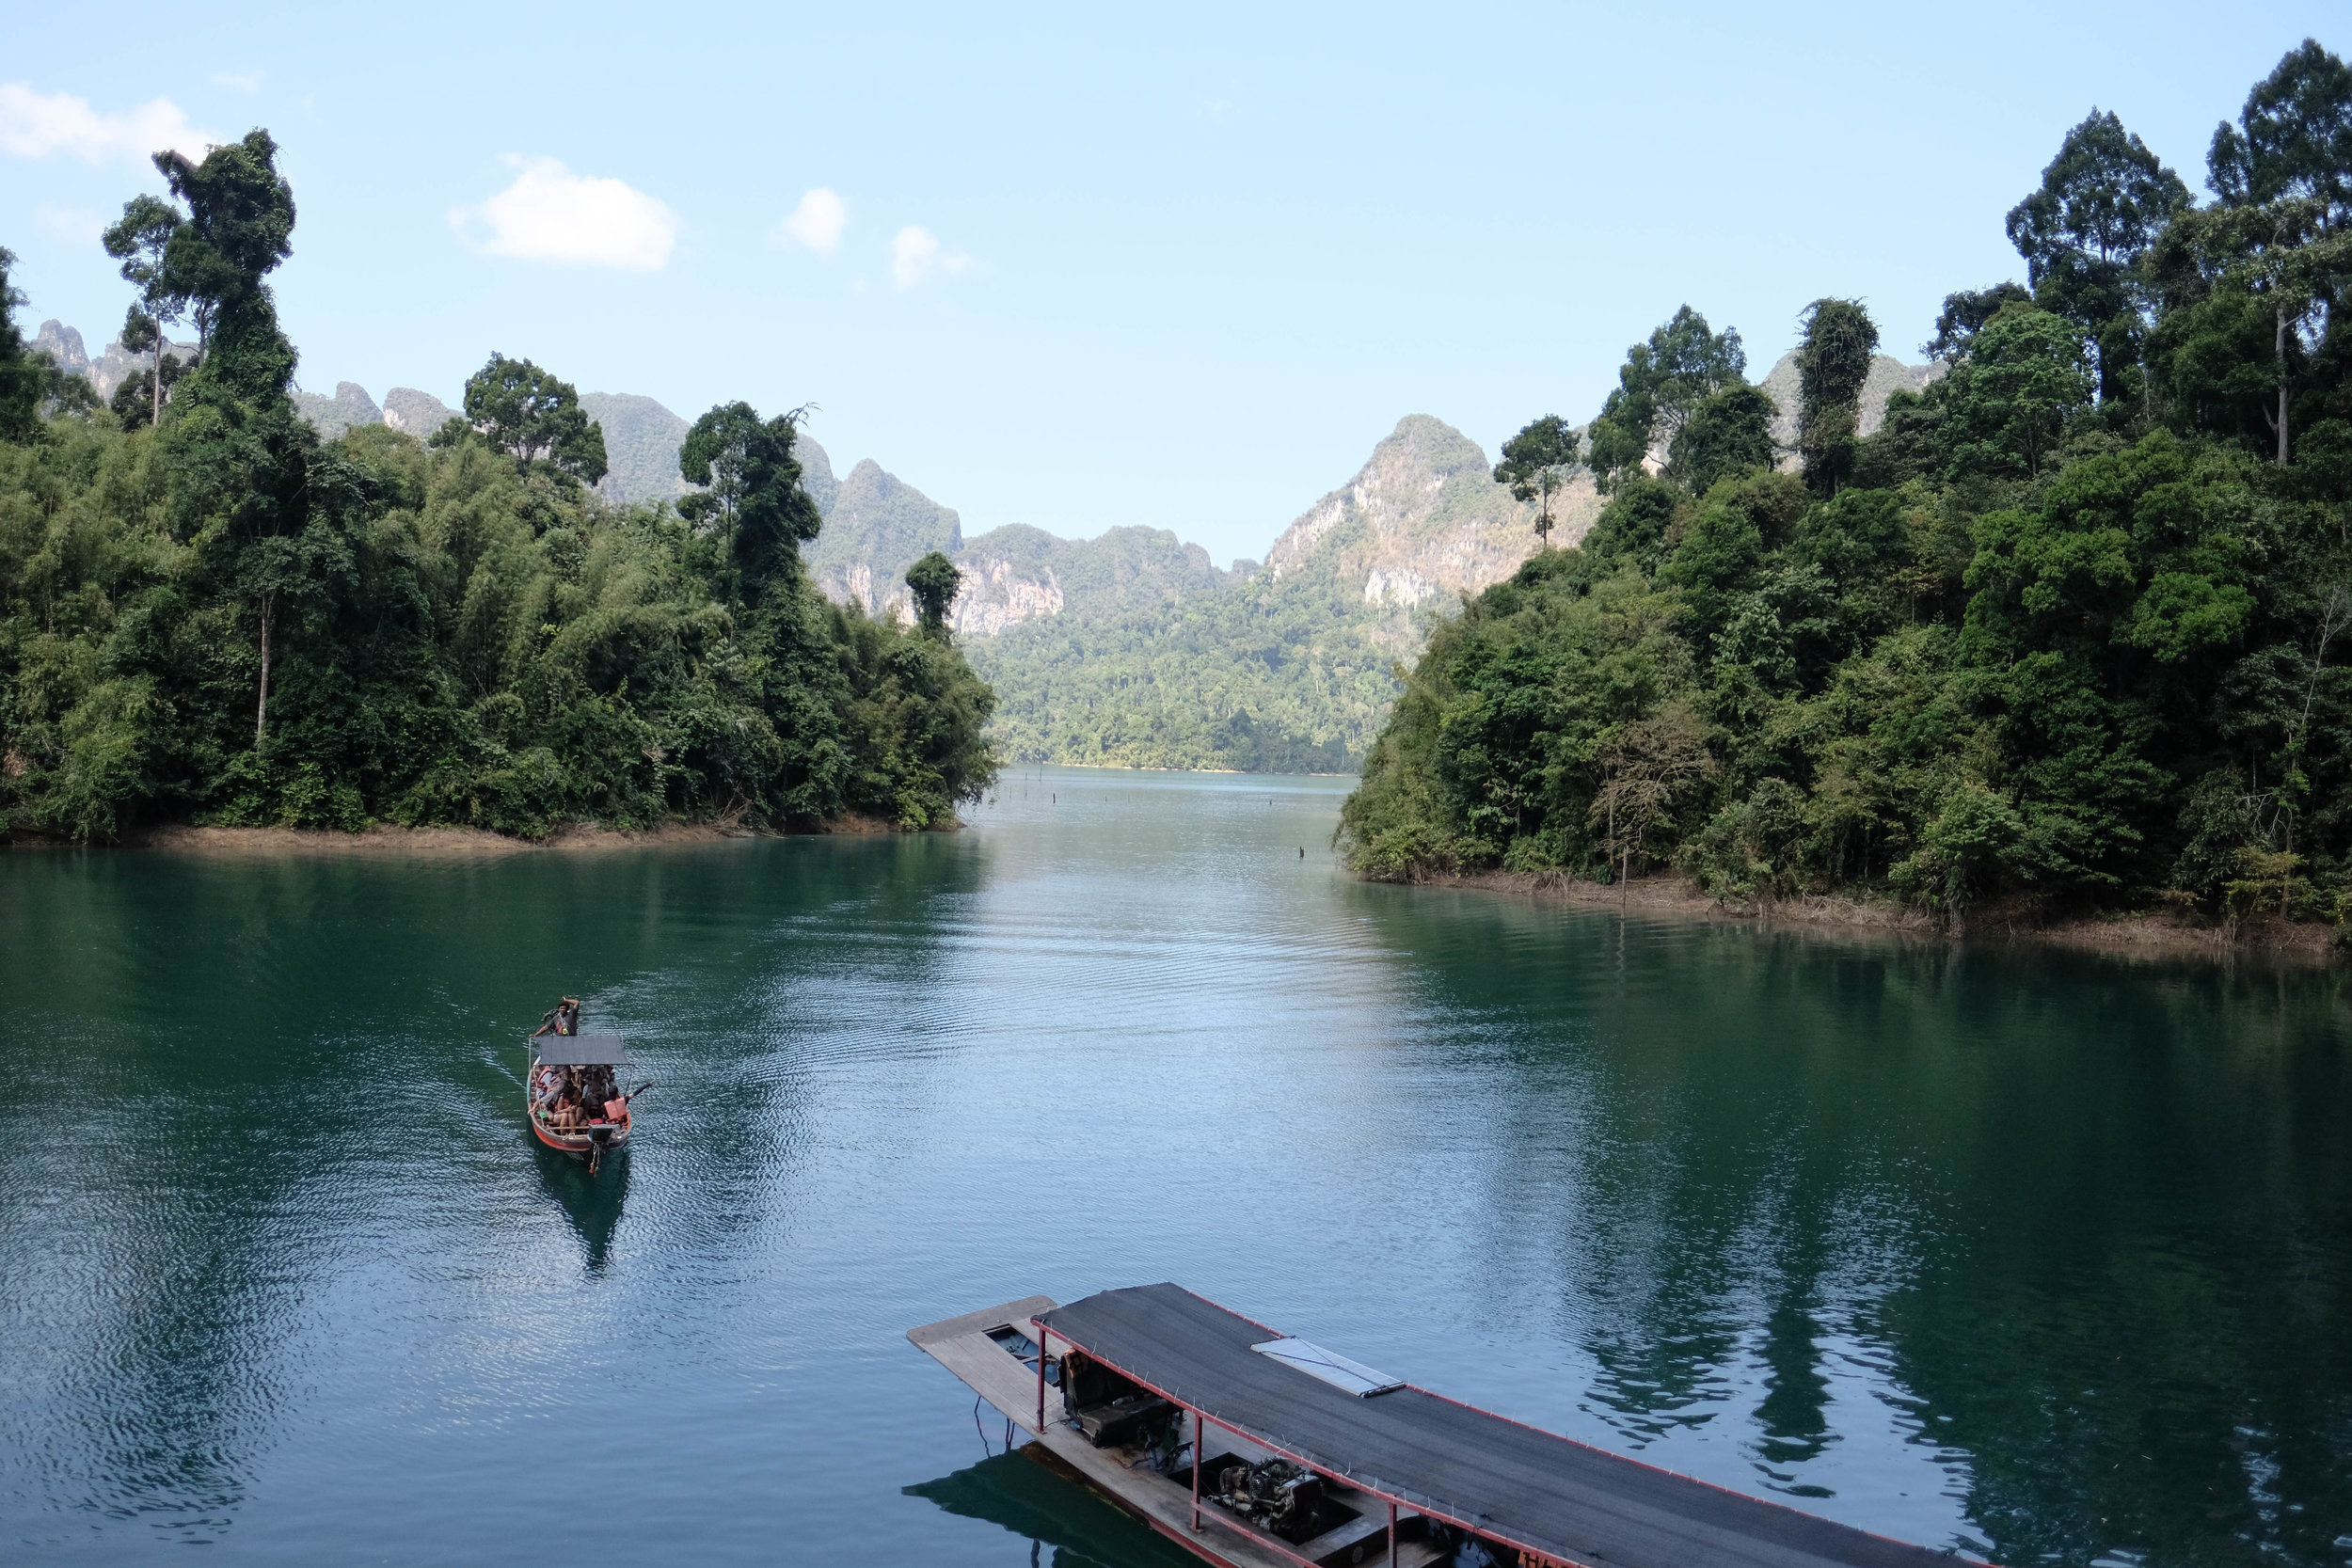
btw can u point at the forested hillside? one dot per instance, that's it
(210, 613)
(2067, 629)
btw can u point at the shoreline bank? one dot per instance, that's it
(2148, 935)
(390, 839)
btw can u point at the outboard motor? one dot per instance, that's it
(1276, 1495)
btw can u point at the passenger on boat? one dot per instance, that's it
(567, 1109)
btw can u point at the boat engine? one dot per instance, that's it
(1276, 1495)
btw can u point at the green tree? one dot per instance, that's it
(1727, 434)
(1963, 316)
(1536, 465)
(246, 496)
(2007, 407)
(752, 491)
(2283, 175)
(1682, 364)
(23, 378)
(934, 580)
(2103, 200)
(1832, 362)
(141, 240)
(533, 416)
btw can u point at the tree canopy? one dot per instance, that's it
(534, 415)
(1537, 463)
(218, 617)
(2068, 632)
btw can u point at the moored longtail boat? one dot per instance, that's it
(597, 1129)
(1255, 1450)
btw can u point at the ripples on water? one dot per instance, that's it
(2030, 1253)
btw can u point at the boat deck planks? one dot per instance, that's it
(961, 1344)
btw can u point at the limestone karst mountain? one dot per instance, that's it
(419, 414)
(350, 406)
(641, 443)
(64, 347)
(1133, 649)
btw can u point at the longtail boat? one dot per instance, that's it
(1254, 1450)
(598, 1129)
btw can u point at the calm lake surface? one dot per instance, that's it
(2040, 1255)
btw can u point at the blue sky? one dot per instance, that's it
(1077, 268)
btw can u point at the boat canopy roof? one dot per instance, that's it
(581, 1050)
(1564, 1498)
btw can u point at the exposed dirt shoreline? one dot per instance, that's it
(388, 839)
(2149, 935)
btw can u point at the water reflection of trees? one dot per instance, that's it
(2084, 1228)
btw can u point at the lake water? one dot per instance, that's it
(2032, 1253)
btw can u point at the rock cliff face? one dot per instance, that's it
(1888, 375)
(876, 527)
(419, 414)
(1422, 521)
(1018, 573)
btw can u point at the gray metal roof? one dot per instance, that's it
(581, 1050)
(1565, 1498)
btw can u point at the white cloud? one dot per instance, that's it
(74, 225)
(815, 223)
(915, 255)
(247, 81)
(551, 214)
(34, 125)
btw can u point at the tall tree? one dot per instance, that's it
(533, 416)
(2103, 200)
(934, 580)
(752, 491)
(1832, 362)
(1536, 465)
(2283, 175)
(141, 240)
(1964, 315)
(1682, 365)
(23, 377)
(246, 489)
(1727, 434)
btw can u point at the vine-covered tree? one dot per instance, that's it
(1832, 362)
(934, 580)
(752, 490)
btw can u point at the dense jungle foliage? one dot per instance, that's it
(2067, 630)
(1255, 678)
(208, 614)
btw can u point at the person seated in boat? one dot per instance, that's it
(544, 1084)
(567, 1109)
